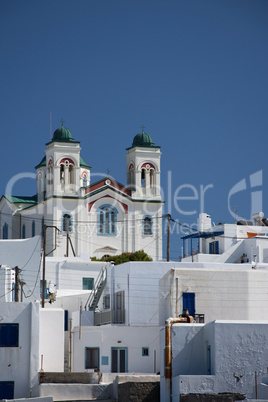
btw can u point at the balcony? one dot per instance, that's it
(110, 317)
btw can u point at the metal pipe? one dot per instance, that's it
(168, 356)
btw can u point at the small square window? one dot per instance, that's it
(145, 351)
(9, 335)
(88, 283)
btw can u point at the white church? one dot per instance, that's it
(81, 218)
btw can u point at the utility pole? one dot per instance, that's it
(44, 267)
(44, 260)
(17, 270)
(168, 236)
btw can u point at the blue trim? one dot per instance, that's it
(204, 235)
(63, 225)
(147, 223)
(107, 220)
(104, 360)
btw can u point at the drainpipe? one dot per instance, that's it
(168, 357)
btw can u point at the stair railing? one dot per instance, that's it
(100, 279)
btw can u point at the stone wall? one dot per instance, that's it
(139, 392)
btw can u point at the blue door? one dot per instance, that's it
(188, 300)
(6, 390)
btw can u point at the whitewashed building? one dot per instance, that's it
(26, 255)
(213, 291)
(218, 357)
(121, 334)
(31, 340)
(97, 219)
(228, 243)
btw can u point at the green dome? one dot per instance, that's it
(142, 140)
(62, 134)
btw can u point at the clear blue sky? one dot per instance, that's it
(193, 72)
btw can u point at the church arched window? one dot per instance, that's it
(147, 225)
(107, 219)
(84, 180)
(5, 231)
(67, 222)
(143, 177)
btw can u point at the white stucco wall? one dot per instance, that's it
(26, 254)
(21, 364)
(51, 340)
(238, 349)
(107, 337)
(222, 291)
(140, 282)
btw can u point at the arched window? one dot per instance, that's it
(107, 218)
(5, 231)
(71, 174)
(66, 222)
(84, 180)
(152, 177)
(143, 177)
(61, 174)
(147, 225)
(33, 228)
(23, 234)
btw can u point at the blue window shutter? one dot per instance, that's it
(216, 247)
(188, 300)
(6, 390)
(210, 248)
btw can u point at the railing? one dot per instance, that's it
(99, 281)
(110, 317)
(199, 318)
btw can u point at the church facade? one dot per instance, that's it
(81, 218)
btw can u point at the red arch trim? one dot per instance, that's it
(125, 206)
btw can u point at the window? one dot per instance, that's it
(23, 235)
(5, 231)
(214, 247)
(143, 177)
(33, 228)
(147, 225)
(119, 307)
(71, 174)
(6, 390)
(66, 222)
(88, 283)
(152, 178)
(92, 358)
(84, 180)
(107, 218)
(9, 335)
(61, 174)
(145, 351)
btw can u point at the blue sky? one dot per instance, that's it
(193, 72)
